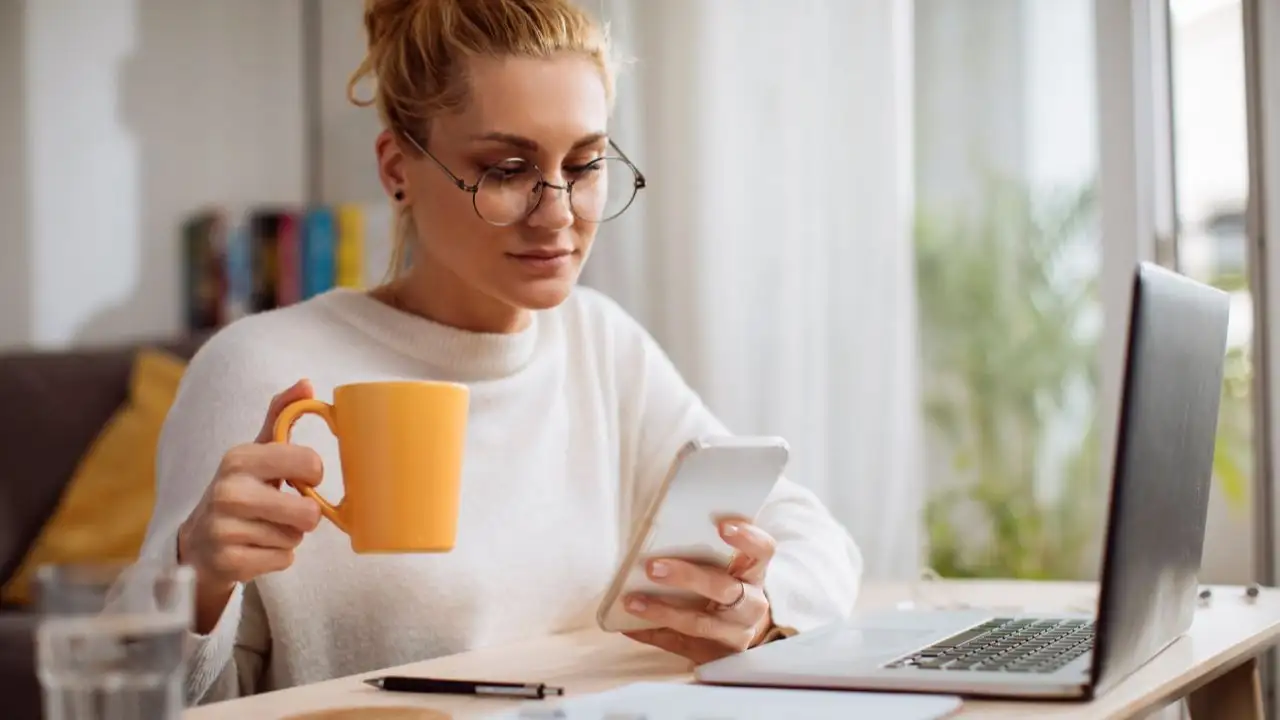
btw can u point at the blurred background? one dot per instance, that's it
(897, 232)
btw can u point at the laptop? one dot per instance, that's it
(1151, 559)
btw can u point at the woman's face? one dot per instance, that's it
(522, 112)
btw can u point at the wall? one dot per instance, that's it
(16, 315)
(121, 116)
(346, 163)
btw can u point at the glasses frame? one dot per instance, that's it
(638, 184)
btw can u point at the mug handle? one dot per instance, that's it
(284, 427)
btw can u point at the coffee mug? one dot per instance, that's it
(401, 445)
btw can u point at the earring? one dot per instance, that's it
(399, 195)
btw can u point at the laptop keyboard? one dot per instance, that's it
(1007, 645)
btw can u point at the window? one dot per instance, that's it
(1212, 181)
(1007, 267)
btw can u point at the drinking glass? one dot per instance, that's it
(109, 645)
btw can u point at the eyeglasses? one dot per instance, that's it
(510, 191)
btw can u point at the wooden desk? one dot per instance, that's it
(1214, 665)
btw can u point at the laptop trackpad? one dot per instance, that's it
(864, 644)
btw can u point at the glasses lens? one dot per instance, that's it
(505, 194)
(603, 189)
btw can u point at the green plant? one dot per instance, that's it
(1008, 316)
(1233, 453)
(1007, 347)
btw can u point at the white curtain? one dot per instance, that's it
(771, 252)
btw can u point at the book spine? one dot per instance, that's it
(239, 272)
(265, 258)
(350, 251)
(289, 261)
(205, 279)
(319, 242)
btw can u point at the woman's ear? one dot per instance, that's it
(392, 170)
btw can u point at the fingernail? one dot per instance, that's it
(732, 529)
(636, 604)
(659, 569)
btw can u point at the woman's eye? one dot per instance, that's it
(584, 169)
(506, 172)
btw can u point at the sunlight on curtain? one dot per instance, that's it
(771, 252)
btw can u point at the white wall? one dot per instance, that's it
(347, 167)
(16, 252)
(120, 117)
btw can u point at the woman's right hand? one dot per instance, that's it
(244, 526)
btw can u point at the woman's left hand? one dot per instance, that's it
(737, 615)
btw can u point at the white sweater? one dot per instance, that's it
(573, 423)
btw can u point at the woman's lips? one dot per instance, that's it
(548, 261)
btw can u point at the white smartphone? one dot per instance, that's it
(710, 480)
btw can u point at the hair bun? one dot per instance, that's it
(416, 49)
(382, 16)
(382, 20)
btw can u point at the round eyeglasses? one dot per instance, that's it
(506, 193)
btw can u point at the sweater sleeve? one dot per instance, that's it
(219, 404)
(815, 573)
(242, 674)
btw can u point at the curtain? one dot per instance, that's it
(771, 252)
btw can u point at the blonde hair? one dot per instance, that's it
(417, 53)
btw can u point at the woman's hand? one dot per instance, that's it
(244, 526)
(737, 615)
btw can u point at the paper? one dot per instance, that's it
(677, 701)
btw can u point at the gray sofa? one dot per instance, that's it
(52, 406)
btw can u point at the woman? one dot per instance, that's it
(493, 153)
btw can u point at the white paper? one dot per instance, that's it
(678, 701)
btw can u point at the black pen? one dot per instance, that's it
(463, 687)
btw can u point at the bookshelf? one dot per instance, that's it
(264, 258)
(236, 261)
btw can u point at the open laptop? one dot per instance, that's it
(1151, 560)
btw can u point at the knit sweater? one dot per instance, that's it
(572, 425)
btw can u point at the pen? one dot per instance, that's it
(463, 687)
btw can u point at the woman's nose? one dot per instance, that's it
(553, 211)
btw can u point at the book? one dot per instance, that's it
(274, 256)
(238, 290)
(288, 260)
(319, 245)
(349, 268)
(264, 257)
(204, 263)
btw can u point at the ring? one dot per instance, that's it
(741, 596)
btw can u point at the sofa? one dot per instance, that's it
(54, 406)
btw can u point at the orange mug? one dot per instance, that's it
(401, 445)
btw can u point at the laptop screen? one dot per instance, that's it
(1163, 469)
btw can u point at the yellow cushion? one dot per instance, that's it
(104, 511)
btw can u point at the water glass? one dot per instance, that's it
(109, 645)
